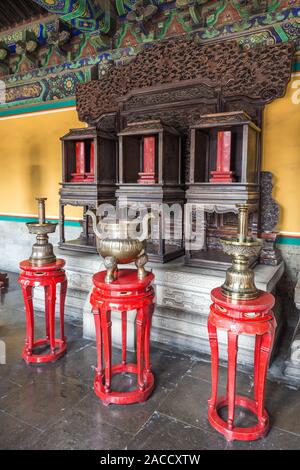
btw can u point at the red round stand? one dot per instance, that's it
(125, 294)
(47, 276)
(253, 317)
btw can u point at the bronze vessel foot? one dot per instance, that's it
(111, 265)
(140, 264)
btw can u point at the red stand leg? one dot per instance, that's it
(63, 294)
(256, 364)
(125, 294)
(46, 289)
(98, 330)
(51, 309)
(213, 339)
(265, 352)
(124, 337)
(150, 311)
(140, 323)
(27, 294)
(106, 329)
(232, 354)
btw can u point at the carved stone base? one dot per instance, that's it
(292, 365)
(269, 254)
(182, 303)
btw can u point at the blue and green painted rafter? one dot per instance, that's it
(52, 76)
(85, 15)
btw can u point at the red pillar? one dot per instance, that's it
(147, 176)
(80, 163)
(223, 173)
(91, 175)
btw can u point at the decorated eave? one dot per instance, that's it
(260, 74)
(43, 61)
(84, 15)
(14, 13)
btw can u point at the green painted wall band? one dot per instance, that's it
(289, 241)
(296, 67)
(25, 220)
(282, 240)
(40, 107)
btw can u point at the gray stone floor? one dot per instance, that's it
(54, 407)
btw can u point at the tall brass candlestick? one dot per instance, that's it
(41, 209)
(243, 222)
(42, 250)
(239, 283)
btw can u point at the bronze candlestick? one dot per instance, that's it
(239, 283)
(42, 250)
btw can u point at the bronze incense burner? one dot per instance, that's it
(239, 283)
(42, 250)
(119, 243)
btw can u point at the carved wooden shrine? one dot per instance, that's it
(224, 171)
(88, 179)
(177, 82)
(150, 175)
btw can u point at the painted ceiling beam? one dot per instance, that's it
(85, 15)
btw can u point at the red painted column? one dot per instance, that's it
(80, 163)
(147, 176)
(91, 175)
(223, 173)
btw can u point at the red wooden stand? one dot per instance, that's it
(125, 294)
(253, 317)
(47, 276)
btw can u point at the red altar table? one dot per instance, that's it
(47, 276)
(125, 294)
(253, 317)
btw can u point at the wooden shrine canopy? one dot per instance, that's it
(179, 79)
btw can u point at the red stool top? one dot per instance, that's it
(265, 301)
(127, 280)
(27, 266)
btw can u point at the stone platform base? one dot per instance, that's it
(291, 373)
(182, 303)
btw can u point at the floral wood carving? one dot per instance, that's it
(260, 74)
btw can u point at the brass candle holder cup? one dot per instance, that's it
(119, 243)
(239, 283)
(42, 250)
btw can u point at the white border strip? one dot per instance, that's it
(290, 234)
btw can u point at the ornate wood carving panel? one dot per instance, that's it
(258, 75)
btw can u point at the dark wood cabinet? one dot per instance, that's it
(89, 176)
(224, 171)
(149, 177)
